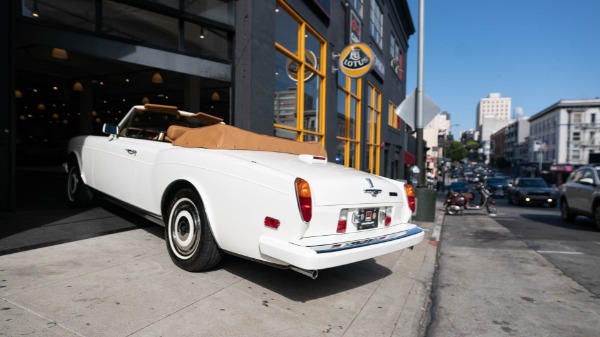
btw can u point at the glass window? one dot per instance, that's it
(82, 16)
(205, 41)
(576, 136)
(376, 23)
(139, 25)
(393, 119)
(349, 102)
(358, 6)
(299, 72)
(373, 120)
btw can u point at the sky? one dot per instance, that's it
(537, 52)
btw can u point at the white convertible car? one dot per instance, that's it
(218, 189)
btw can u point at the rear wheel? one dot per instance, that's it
(565, 212)
(188, 236)
(78, 193)
(491, 209)
(597, 216)
(450, 210)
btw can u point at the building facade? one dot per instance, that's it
(517, 135)
(270, 67)
(493, 113)
(566, 133)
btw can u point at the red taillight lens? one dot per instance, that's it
(271, 222)
(304, 199)
(388, 220)
(410, 194)
(342, 221)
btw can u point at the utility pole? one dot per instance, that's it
(419, 101)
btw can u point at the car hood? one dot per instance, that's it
(330, 183)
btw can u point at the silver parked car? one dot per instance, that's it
(580, 194)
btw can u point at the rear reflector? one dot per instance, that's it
(271, 222)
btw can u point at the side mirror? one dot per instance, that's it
(110, 129)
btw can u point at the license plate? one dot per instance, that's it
(368, 218)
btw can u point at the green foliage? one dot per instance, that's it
(456, 152)
(472, 144)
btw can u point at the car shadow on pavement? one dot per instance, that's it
(580, 224)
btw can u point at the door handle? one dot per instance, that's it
(130, 151)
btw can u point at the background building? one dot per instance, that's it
(566, 133)
(493, 114)
(75, 65)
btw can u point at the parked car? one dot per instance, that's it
(216, 189)
(531, 191)
(580, 194)
(498, 187)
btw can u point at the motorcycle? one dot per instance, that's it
(456, 202)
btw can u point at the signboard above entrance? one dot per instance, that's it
(356, 60)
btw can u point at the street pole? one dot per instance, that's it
(419, 101)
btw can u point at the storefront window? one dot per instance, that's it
(348, 110)
(373, 151)
(299, 72)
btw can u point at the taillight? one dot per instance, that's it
(410, 194)
(304, 199)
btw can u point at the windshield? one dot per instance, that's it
(496, 181)
(533, 183)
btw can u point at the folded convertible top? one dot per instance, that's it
(227, 137)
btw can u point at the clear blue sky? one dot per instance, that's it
(535, 51)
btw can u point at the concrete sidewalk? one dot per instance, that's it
(123, 283)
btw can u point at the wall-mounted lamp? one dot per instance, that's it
(35, 13)
(215, 96)
(156, 78)
(60, 53)
(78, 86)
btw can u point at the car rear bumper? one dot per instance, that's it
(315, 258)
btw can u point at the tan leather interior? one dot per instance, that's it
(227, 137)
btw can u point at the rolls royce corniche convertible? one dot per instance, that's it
(219, 189)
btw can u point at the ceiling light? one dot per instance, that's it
(145, 100)
(41, 106)
(156, 78)
(60, 53)
(215, 96)
(18, 94)
(35, 13)
(201, 33)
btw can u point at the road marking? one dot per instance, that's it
(558, 252)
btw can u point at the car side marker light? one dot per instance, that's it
(271, 222)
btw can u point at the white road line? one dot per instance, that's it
(558, 252)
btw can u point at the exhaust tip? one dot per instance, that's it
(313, 274)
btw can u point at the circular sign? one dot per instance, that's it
(356, 60)
(292, 67)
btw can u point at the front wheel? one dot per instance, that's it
(188, 236)
(78, 193)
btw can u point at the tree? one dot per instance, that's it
(456, 152)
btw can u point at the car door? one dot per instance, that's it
(582, 192)
(115, 162)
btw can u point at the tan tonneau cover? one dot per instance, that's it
(227, 137)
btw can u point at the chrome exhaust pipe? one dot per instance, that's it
(310, 273)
